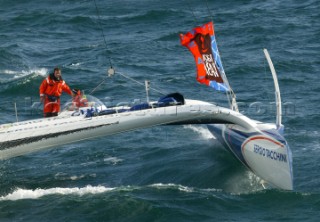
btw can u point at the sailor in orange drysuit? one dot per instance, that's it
(79, 99)
(51, 89)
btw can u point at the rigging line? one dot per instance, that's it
(92, 91)
(102, 32)
(209, 11)
(193, 14)
(139, 83)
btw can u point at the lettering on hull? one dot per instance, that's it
(270, 160)
(269, 153)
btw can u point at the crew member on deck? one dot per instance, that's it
(79, 99)
(51, 89)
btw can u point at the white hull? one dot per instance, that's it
(263, 151)
(258, 146)
(258, 151)
(29, 136)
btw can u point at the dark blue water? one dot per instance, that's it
(176, 173)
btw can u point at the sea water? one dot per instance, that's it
(168, 173)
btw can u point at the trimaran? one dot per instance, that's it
(260, 146)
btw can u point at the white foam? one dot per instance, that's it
(20, 194)
(76, 64)
(23, 73)
(9, 72)
(172, 186)
(40, 72)
(244, 183)
(183, 188)
(112, 160)
(201, 130)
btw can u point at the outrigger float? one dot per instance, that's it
(259, 146)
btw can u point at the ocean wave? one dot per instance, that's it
(182, 188)
(21, 81)
(24, 73)
(65, 176)
(20, 194)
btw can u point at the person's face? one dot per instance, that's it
(57, 74)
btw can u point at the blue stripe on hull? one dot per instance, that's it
(240, 143)
(230, 139)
